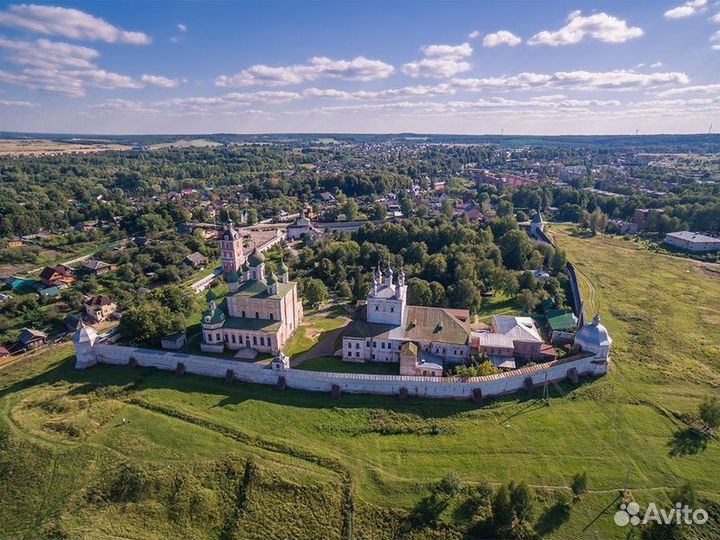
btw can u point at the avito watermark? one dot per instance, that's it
(629, 514)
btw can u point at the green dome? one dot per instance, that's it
(245, 266)
(232, 277)
(272, 279)
(210, 295)
(256, 258)
(283, 268)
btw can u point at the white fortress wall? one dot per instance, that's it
(452, 388)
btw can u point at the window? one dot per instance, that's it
(382, 345)
(254, 340)
(217, 337)
(257, 315)
(272, 317)
(243, 313)
(349, 345)
(233, 338)
(392, 309)
(357, 345)
(262, 341)
(209, 338)
(377, 308)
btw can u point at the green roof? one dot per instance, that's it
(232, 276)
(258, 289)
(560, 320)
(210, 295)
(217, 316)
(244, 323)
(256, 258)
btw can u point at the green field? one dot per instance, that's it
(332, 363)
(360, 466)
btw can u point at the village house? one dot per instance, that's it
(96, 268)
(31, 339)
(60, 274)
(195, 260)
(100, 308)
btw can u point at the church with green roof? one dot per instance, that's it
(260, 311)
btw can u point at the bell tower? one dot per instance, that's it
(231, 249)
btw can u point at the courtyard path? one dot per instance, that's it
(324, 347)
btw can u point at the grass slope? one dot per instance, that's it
(202, 458)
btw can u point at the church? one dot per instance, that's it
(421, 339)
(260, 311)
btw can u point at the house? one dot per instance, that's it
(49, 293)
(690, 241)
(96, 268)
(99, 308)
(52, 276)
(31, 338)
(414, 361)
(4, 352)
(642, 216)
(174, 342)
(195, 260)
(141, 241)
(541, 275)
(73, 322)
(302, 228)
(470, 211)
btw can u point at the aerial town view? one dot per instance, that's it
(360, 270)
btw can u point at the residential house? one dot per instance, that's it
(99, 308)
(60, 274)
(96, 268)
(195, 260)
(31, 338)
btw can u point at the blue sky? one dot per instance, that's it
(526, 67)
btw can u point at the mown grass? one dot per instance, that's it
(314, 327)
(188, 439)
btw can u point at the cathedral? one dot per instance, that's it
(260, 311)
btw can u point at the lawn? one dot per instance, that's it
(316, 325)
(179, 466)
(333, 363)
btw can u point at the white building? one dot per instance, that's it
(690, 241)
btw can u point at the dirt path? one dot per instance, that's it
(324, 347)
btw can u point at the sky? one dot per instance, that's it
(473, 67)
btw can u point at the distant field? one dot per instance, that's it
(178, 466)
(30, 147)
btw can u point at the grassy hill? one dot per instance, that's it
(197, 457)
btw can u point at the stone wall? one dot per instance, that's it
(434, 387)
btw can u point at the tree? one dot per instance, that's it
(176, 299)
(149, 322)
(558, 261)
(343, 289)
(450, 485)
(579, 484)
(527, 300)
(419, 292)
(438, 294)
(504, 208)
(314, 291)
(351, 210)
(378, 211)
(709, 411)
(597, 221)
(516, 248)
(521, 501)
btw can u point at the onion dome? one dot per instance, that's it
(256, 258)
(272, 279)
(283, 268)
(593, 336)
(210, 296)
(232, 277)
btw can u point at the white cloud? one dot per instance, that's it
(715, 40)
(10, 103)
(46, 53)
(390, 93)
(579, 80)
(698, 89)
(123, 106)
(69, 23)
(157, 80)
(474, 34)
(358, 69)
(440, 62)
(501, 37)
(656, 65)
(600, 26)
(227, 101)
(688, 9)
(182, 27)
(716, 17)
